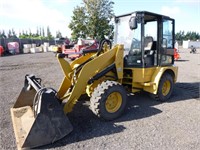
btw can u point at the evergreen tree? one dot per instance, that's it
(43, 33)
(9, 34)
(26, 33)
(40, 31)
(37, 32)
(30, 34)
(58, 34)
(49, 35)
(13, 34)
(2, 34)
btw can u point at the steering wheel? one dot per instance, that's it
(104, 46)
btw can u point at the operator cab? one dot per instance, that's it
(148, 39)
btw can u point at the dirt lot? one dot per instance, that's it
(146, 124)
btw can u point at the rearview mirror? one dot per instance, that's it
(133, 23)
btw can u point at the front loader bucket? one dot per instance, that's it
(37, 116)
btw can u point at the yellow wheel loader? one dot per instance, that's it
(141, 60)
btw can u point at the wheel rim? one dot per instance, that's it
(166, 87)
(113, 102)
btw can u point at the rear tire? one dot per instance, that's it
(108, 100)
(165, 88)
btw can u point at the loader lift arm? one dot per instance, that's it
(78, 81)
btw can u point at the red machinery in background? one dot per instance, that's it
(1, 50)
(176, 54)
(75, 50)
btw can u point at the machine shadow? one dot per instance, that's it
(185, 91)
(181, 60)
(87, 125)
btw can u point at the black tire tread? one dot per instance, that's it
(97, 95)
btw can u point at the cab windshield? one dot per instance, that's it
(124, 35)
(131, 39)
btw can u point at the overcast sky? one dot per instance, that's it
(30, 14)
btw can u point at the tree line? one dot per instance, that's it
(40, 34)
(190, 35)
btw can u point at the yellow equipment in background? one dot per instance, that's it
(141, 60)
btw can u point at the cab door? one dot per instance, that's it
(167, 42)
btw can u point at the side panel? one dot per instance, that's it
(136, 77)
(147, 79)
(143, 74)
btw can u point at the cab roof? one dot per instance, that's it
(147, 15)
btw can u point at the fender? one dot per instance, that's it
(172, 70)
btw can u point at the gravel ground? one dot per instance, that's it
(146, 124)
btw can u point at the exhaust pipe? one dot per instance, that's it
(37, 116)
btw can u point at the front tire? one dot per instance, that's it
(108, 100)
